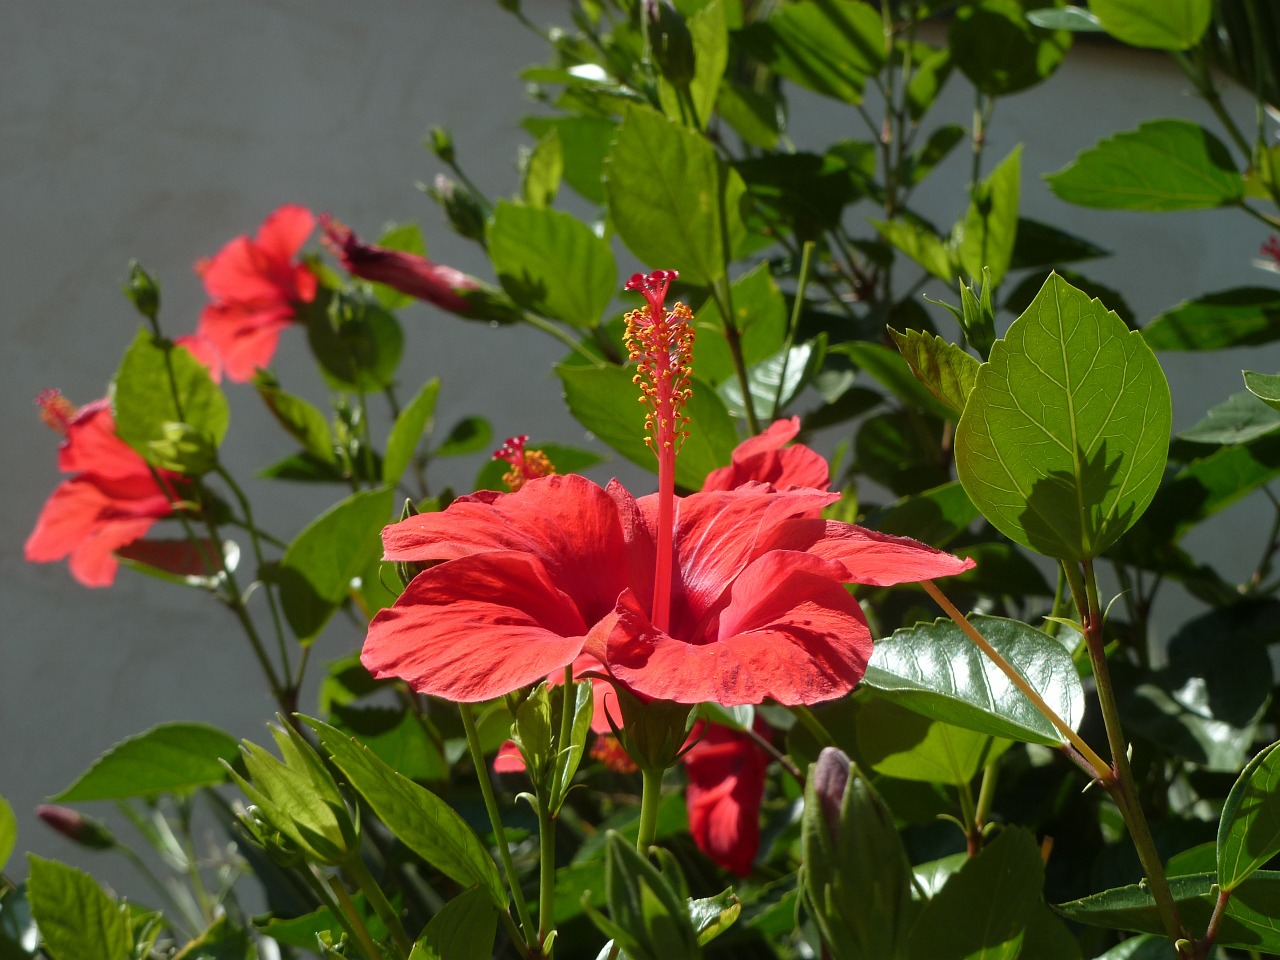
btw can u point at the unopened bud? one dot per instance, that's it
(466, 214)
(142, 290)
(830, 779)
(77, 827)
(440, 140)
(183, 449)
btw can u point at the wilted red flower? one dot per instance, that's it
(726, 771)
(113, 499)
(407, 272)
(255, 287)
(766, 458)
(728, 596)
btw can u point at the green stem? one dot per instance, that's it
(650, 799)
(813, 725)
(549, 328)
(495, 821)
(969, 817)
(723, 296)
(797, 307)
(546, 873)
(378, 900)
(334, 895)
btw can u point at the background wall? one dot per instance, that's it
(155, 130)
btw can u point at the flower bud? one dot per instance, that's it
(183, 449)
(142, 290)
(830, 778)
(670, 42)
(465, 212)
(76, 827)
(441, 143)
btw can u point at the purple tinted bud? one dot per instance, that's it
(830, 778)
(76, 827)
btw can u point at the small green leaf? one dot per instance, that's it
(898, 742)
(673, 201)
(996, 47)
(775, 381)
(1264, 386)
(1248, 921)
(534, 250)
(468, 435)
(985, 907)
(1075, 19)
(644, 903)
(1242, 417)
(922, 244)
(584, 142)
(221, 940)
(1159, 24)
(937, 671)
(946, 369)
(464, 929)
(712, 916)
(1144, 947)
(77, 920)
(144, 399)
(357, 343)
(605, 401)
(1249, 829)
(413, 422)
(8, 832)
(314, 577)
(894, 374)
(301, 419)
(936, 149)
(1066, 432)
(169, 758)
(1162, 165)
(543, 168)
(419, 819)
(1239, 317)
(709, 31)
(991, 222)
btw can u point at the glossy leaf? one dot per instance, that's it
(1075, 19)
(991, 221)
(1159, 24)
(712, 916)
(826, 46)
(1239, 317)
(604, 400)
(1248, 921)
(77, 920)
(413, 422)
(1064, 439)
(534, 252)
(944, 368)
(995, 46)
(775, 381)
(1162, 165)
(422, 821)
(922, 244)
(1264, 386)
(937, 671)
(464, 929)
(674, 203)
(1144, 947)
(898, 742)
(144, 399)
(1242, 417)
(1249, 829)
(170, 758)
(8, 832)
(986, 906)
(314, 577)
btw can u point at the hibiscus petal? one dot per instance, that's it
(567, 522)
(93, 560)
(790, 632)
(875, 559)
(285, 230)
(475, 628)
(92, 446)
(244, 334)
(766, 458)
(726, 773)
(509, 759)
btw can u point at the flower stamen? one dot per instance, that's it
(56, 411)
(526, 465)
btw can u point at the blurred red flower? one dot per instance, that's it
(726, 771)
(255, 286)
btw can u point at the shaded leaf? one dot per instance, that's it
(1249, 829)
(464, 929)
(994, 45)
(1038, 244)
(991, 221)
(1240, 418)
(1264, 386)
(946, 369)
(468, 435)
(898, 742)
(1239, 317)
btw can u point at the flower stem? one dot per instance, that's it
(1100, 766)
(378, 900)
(340, 903)
(723, 296)
(495, 821)
(546, 872)
(802, 281)
(650, 799)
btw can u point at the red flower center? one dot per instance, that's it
(56, 411)
(526, 465)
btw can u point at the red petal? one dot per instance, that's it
(509, 759)
(876, 559)
(285, 230)
(566, 522)
(92, 446)
(726, 786)
(245, 335)
(767, 459)
(475, 628)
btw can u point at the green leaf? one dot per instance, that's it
(314, 577)
(985, 907)
(827, 46)
(937, 671)
(752, 115)
(1144, 947)
(1065, 436)
(419, 819)
(1041, 245)
(468, 435)
(169, 758)
(760, 317)
(396, 737)
(1242, 417)
(8, 832)
(709, 31)
(301, 419)
(922, 244)
(543, 168)
(604, 400)
(77, 920)
(898, 742)
(1075, 19)
(303, 468)
(1000, 52)
(645, 904)
(1162, 165)
(1249, 829)
(712, 916)
(221, 940)
(1239, 317)
(991, 222)
(413, 422)
(358, 344)
(893, 373)
(1248, 921)
(944, 368)
(934, 516)
(1048, 938)
(1264, 386)
(775, 381)
(143, 396)
(584, 142)
(534, 252)
(464, 929)
(1159, 24)
(936, 149)
(674, 203)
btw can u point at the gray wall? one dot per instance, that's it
(158, 130)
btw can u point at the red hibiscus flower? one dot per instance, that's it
(407, 272)
(726, 771)
(255, 286)
(112, 500)
(767, 458)
(730, 596)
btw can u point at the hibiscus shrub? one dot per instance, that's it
(735, 716)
